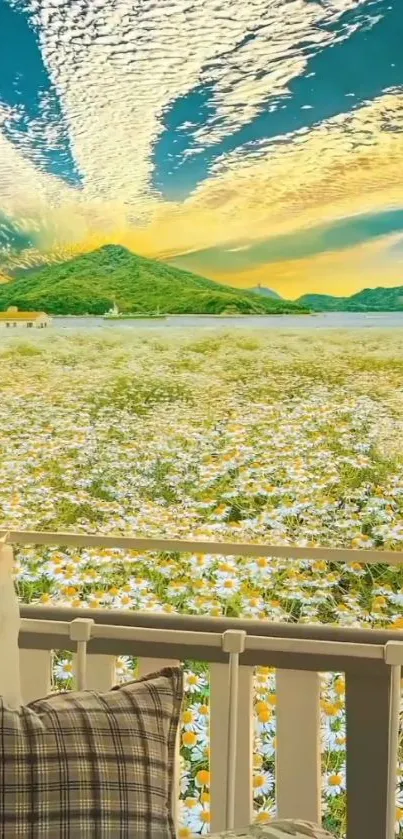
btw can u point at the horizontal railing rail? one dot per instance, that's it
(84, 540)
(171, 626)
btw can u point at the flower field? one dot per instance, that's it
(283, 438)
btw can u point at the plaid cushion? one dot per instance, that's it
(277, 829)
(92, 766)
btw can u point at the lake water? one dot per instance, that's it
(336, 320)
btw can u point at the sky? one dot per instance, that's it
(251, 141)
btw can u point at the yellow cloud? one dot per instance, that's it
(344, 166)
(339, 272)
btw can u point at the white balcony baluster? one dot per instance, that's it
(244, 763)
(219, 706)
(35, 669)
(298, 767)
(222, 763)
(101, 672)
(80, 632)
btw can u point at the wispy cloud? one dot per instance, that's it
(118, 66)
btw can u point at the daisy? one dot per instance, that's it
(194, 682)
(63, 669)
(263, 784)
(335, 783)
(198, 819)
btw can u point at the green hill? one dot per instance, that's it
(322, 302)
(367, 300)
(93, 282)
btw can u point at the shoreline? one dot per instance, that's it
(205, 316)
(259, 315)
(203, 324)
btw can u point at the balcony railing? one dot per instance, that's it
(370, 659)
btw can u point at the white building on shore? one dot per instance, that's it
(13, 318)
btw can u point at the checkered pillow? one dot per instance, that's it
(84, 765)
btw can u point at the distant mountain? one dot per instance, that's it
(94, 282)
(323, 302)
(266, 292)
(367, 300)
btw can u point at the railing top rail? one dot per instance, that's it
(242, 640)
(208, 624)
(84, 540)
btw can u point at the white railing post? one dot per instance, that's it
(233, 644)
(231, 712)
(298, 757)
(36, 670)
(10, 679)
(219, 710)
(244, 763)
(80, 632)
(393, 657)
(101, 672)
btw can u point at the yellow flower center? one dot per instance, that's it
(229, 583)
(380, 601)
(190, 803)
(258, 781)
(203, 778)
(340, 687)
(189, 738)
(330, 709)
(263, 818)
